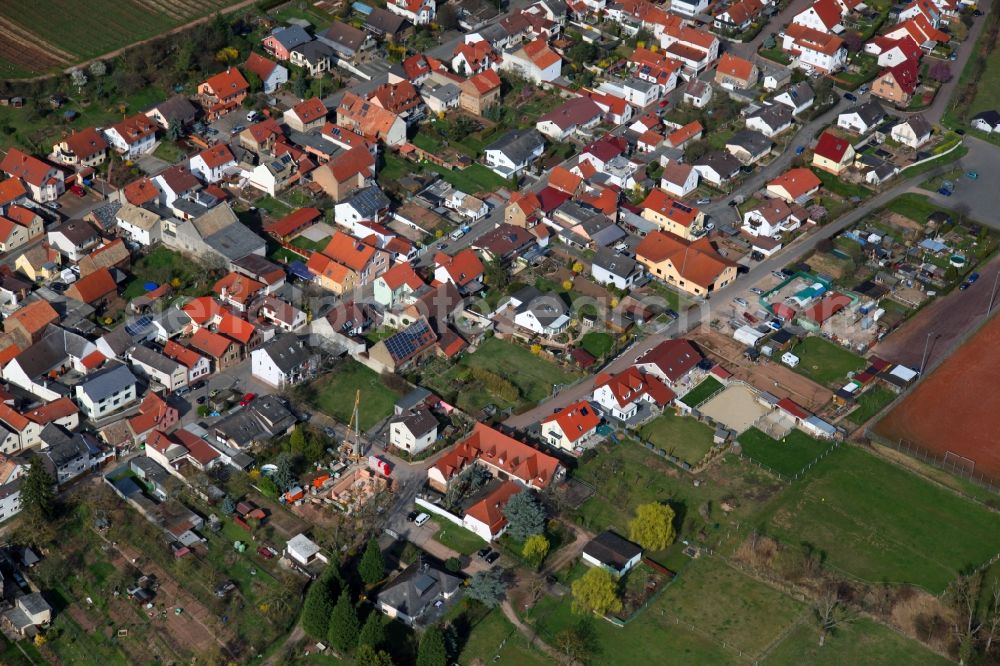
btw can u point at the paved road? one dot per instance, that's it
(692, 318)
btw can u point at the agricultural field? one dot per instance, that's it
(861, 641)
(881, 523)
(824, 362)
(681, 436)
(45, 36)
(334, 392)
(787, 457)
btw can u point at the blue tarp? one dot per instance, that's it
(299, 270)
(933, 245)
(361, 8)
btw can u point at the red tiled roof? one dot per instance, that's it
(563, 179)
(682, 135)
(295, 221)
(186, 357)
(349, 251)
(520, 461)
(233, 327)
(659, 201)
(197, 448)
(489, 510)
(832, 147)
(575, 421)
(140, 191)
(632, 384)
(259, 65)
(227, 82)
(238, 287)
(94, 286)
(828, 306)
(210, 343)
(736, 67)
(540, 54)
(796, 182)
(814, 40)
(93, 360)
(11, 189)
(135, 128)
(202, 309)
(696, 261)
(400, 274)
(904, 74)
(573, 112)
(674, 358)
(34, 316)
(350, 163)
(32, 170)
(217, 155)
(86, 143)
(485, 81)
(790, 406)
(463, 268)
(310, 110)
(59, 408)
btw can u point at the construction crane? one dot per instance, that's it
(354, 427)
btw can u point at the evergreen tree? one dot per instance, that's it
(372, 565)
(37, 494)
(368, 656)
(319, 604)
(344, 627)
(432, 650)
(373, 632)
(525, 514)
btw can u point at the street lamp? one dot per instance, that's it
(923, 359)
(993, 294)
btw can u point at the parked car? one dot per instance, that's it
(703, 202)
(972, 175)
(740, 301)
(973, 278)
(265, 552)
(850, 97)
(757, 290)
(78, 190)
(671, 313)
(201, 400)
(492, 557)
(977, 12)
(944, 191)
(862, 90)
(778, 274)
(800, 150)
(484, 552)
(54, 205)
(421, 519)
(411, 516)
(963, 286)
(247, 399)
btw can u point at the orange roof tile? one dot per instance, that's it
(400, 274)
(11, 189)
(736, 67)
(349, 251)
(93, 286)
(563, 179)
(59, 408)
(186, 357)
(796, 182)
(32, 170)
(227, 82)
(659, 201)
(520, 461)
(140, 191)
(207, 342)
(217, 155)
(489, 510)
(233, 327)
(575, 421)
(310, 110)
(463, 268)
(696, 262)
(238, 287)
(34, 316)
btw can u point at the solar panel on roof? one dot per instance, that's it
(138, 326)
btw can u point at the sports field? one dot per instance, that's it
(43, 36)
(881, 523)
(956, 408)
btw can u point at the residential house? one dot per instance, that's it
(413, 431)
(383, 24)
(197, 366)
(420, 588)
(12, 192)
(986, 121)
(798, 97)
(689, 7)
(717, 167)
(400, 98)
(223, 92)
(574, 116)
(514, 152)
(139, 225)
(307, 115)
(417, 12)
(370, 120)
(212, 164)
(265, 418)
(283, 362)
(113, 255)
(284, 315)
(85, 148)
(366, 261)
(464, 270)
(794, 186)
(822, 16)
(39, 262)
(833, 154)
(176, 110)
(275, 175)
(671, 361)
(314, 57)
(223, 352)
(368, 204)
(154, 365)
(480, 92)
(44, 181)
(770, 120)
(505, 243)
(97, 290)
(30, 613)
(773, 217)
(106, 391)
(473, 56)
(738, 16)
(621, 395)
(898, 83)
(271, 74)
(921, 31)
(538, 313)
(29, 321)
(891, 52)
(345, 40)
(694, 267)
(11, 473)
(440, 97)
(534, 61)
(523, 210)
(237, 290)
(293, 224)
(260, 138)
(611, 268)
(400, 350)
(695, 49)
(503, 456)
(397, 285)
(733, 72)
(913, 131)
(814, 49)
(281, 41)
(612, 552)
(672, 215)
(486, 517)
(19, 227)
(679, 179)
(862, 118)
(174, 183)
(697, 93)
(571, 427)
(749, 146)
(133, 136)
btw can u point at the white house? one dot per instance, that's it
(73, 239)
(822, 15)
(140, 225)
(571, 427)
(534, 61)
(577, 115)
(485, 518)
(862, 118)
(417, 12)
(271, 74)
(679, 179)
(134, 136)
(212, 164)
(914, 132)
(612, 552)
(198, 366)
(514, 152)
(689, 7)
(303, 551)
(609, 267)
(413, 431)
(814, 49)
(152, 364)
(107, 391)
(987, 121)
(773, 216)
(467, 205)
(544, 314)
(621, 395)
(698, 93)
(770, 120)
(798, 97)
(284, 361)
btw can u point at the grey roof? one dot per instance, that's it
(235, 242)
(173, 320)
(256, 265)
(578, 213)
(417, 588)
(287, 352)
(368, 202)
(383, 22)
(77, 232)
(177, 108)
(419, 422)
(613, 262)
(547, 308)
(343, 37)
(264, 418)
(120, 338)
(801, 93)
(154, 359)
(61, 447)
(151, 470)
(18, 618)
(291, 36)
(412, 399)
(602, 231)
(870, 112)
(445, 93)
(774, 116)
(109, 381)
(991, 117)
(105, 214)
(45, 354)
(752, 141)
(611, 549)
(316, 141)
(722, 163)
(315, 51)
(518, 145)
(918, 124)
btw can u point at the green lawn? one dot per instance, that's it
(787, 457)
(273, 207)
(824, 362)
(306, 244)
(917, 207)
(870, 403)
(841, 188)
(333, 394)
(701, 392)
(161, 266)
(626, 475)
(494, 635)
(169, 152)
(597, 344)
(861, 642)
(869, 69)
(953, 156)
(681, 436)
(457, 538)
(472, 179)
(722, 603)
(531, 375)
(882, 523)
(11, 655)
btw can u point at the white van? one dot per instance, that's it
(421, 519)
(456, 234)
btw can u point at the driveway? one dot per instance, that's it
(151, 164)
